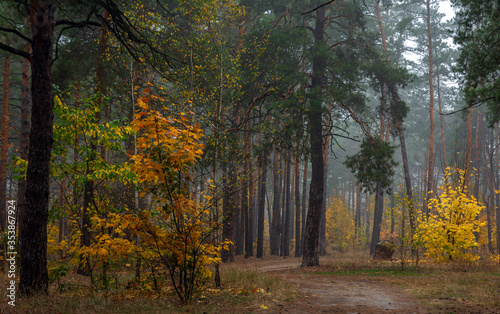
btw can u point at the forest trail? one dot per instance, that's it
(330, 293)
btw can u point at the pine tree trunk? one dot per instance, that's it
(229, 205)
(4, 142)
(25, 132)
(441, 117)
(251, 201)
(275, 235)
(406, 169)
(326, 150)
(477, 152)
(311, 239)
(33, 229)
(261, 204)
(377, 218)
(357, 217)
(297, 207)
(287, 210)
(430, 169)
(304, 207)
(497, 187)
(244, 199)
(468, 150)
(489, 182)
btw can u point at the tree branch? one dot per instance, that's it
(361, 123)
(15, 51)
(78, 24)
(16, 32)
(318, 7)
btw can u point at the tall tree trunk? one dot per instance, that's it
(441, 117)
(489, 183)
(406, 169)
(297, 206)
(497, 187)
(85, 241)
(229, 201)
(261, 203)
(304, 199)
(244, 200)
(25, 132)
(311, 240)
(468, 150)
(326, 150)
(477, 152)
(275, 234)
(101, 75)
(285, 247)
(357, 216)
(251, 201)
(33, 223)
(4, 142)
(430, 169)
(377, 218)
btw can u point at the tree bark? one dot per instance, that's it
(430, 169)
(304, 199)
(229, 204)
(287, 210)
(25, 132)
(497, 187)
(442, 118)
(489, 182)
(297, 207)
(468, 152)
(261, 204)
(311, 239)
(275, 229)
(377, 218)
(244, 200)
(33, 229)
(4, 142)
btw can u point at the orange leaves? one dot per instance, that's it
(168, 145)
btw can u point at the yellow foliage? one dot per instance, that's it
(178, 231)
(339, 224)
(448, 233)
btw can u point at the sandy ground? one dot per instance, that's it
(329, 293)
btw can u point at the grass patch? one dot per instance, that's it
(373, 272)
(473, 285)
(242, 290)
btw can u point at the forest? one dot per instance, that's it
(152, 150)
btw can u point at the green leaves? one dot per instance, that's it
(479, 61)
(374, 164)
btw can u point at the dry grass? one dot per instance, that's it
(451, 284)
(243, 290)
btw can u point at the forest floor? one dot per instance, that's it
(344, 283)
(356, 288)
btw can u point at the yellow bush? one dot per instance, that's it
(448, 233)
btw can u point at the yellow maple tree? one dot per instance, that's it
(448, 233)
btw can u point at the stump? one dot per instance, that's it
(384, 250)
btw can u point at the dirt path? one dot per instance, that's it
(327, 293)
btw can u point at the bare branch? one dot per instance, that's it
(318, 7)
(86, 23)
(15, 51)
(361, 123)
(16, 32)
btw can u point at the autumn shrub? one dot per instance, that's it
(447, 234)
(178, 232)
(339, 224)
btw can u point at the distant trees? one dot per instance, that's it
(280, 90)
